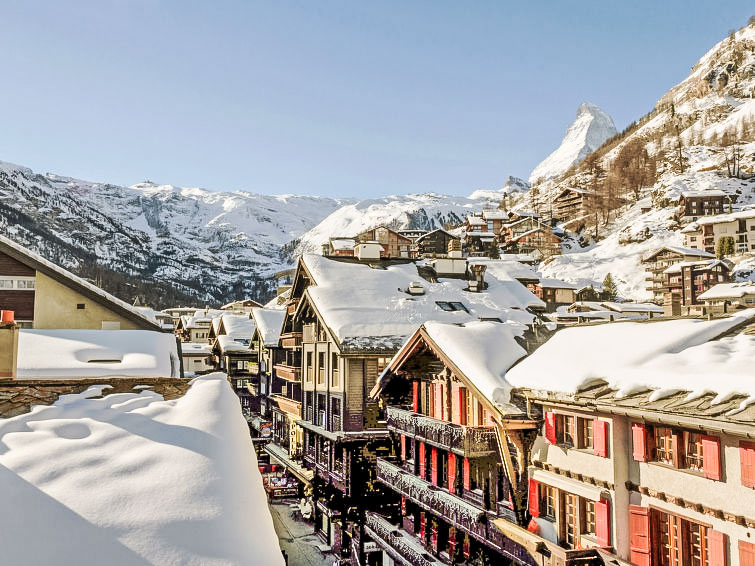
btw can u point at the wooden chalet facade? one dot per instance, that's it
(660, 260)
(435, 243)
(572, 204)
(539, 242)
(394, 244)
(694, 204)
(341, 432)
(690, 279)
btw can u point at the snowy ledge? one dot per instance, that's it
(133, 479)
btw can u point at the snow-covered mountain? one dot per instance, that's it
(587, 133)
(210, 246)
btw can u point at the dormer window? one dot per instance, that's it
(451, 306)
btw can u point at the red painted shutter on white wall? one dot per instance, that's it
(550, 427)
(747, 460)
(415, 396)
(746, 553)
(600, 438)
(451, 472)
(639, 451)
(717, 544)
(534, 498)
(639, 535)
(603, 522)
(712, 457)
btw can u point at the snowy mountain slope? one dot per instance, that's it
(513, 186)
(587, 133)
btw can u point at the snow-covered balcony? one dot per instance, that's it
(402, 547)
(466, 441)
(453, 509)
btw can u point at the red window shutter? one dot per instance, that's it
(439, 401)
(466, 473)
(434, 466)
(639, 535)
(603, 522)
(403, 447)
(716, 548)
(747, 460)
(422, 460)
(452, 472)
(600, 437)
(431, 408)
(746, 553)
(550, 427)
(639, 451)
(712, 457)
(534, 498)
(415, 396)
(462, 405)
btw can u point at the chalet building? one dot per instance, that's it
(478, 236)
(458, 469)
(198, 327)
(705, 233)
(515, 228)
(343, 247)
(661, 259)
(344, 322)
(45, 296)
(727, 297)
(654, 463)
(435, 243)
(540, 243)
(573, 204)
(197, 357)
(413, 234)
(495, 218)
(554, 292)
(230, 347)
(243, 305)
(176, 313)
(394, 244)
(694, 204)
(690, 279)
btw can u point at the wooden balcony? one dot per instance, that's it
(453, 509)
(467, 441)
(287, 405)
(289, 373)
(397, 543)
(291, 306)
(291, 340)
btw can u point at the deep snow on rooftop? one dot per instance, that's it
(131, 479)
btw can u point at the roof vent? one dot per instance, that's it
(416, 288)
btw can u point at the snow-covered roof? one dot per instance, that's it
(195, 349)
(703, 194)
(269, 323)
(630, 357)
(694, 252)
(483, 352)
(632, 307)
(238, 325)
(731, 217)
(72, 354)
(358, 302)
(203, 317)
(129, 478)
(426, 234)
(689, 228)
(343, 243)
(39, 263)
(476, 221)
(729, 290)
(233, 344)
(550, 283)
(702, 264)
(494, 214)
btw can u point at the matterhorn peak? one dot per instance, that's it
(587, 133)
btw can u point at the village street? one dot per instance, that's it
(297, 538)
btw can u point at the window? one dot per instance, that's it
(664, 445)
(321, 368)
(571, 520)
(6, 283)
(565, 430)
(382, 363)
(693, 455)
(451, 306)
(682, 542)
(309, 367)
(80, 306)
(588, 527)
(25, 283)
(334, 376)
(550, 502)
(585, 433)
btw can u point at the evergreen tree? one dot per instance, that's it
(609, 288)
(493, 253)
(725, 246)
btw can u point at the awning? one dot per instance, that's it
(592, 492)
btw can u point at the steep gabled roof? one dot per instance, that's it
(85, 288)
(694, 252)
(269, 323)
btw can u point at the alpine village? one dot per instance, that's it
(561, 373)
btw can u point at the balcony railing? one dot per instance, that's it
(335, 423)
(291, 340)
(289, 373)
(468, 441)
(450, 507)
(291, 307)
(390, 537)
(287, 405)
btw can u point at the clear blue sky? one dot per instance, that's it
(338, 98)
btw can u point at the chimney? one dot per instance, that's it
(478, 285)
(8, 345)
